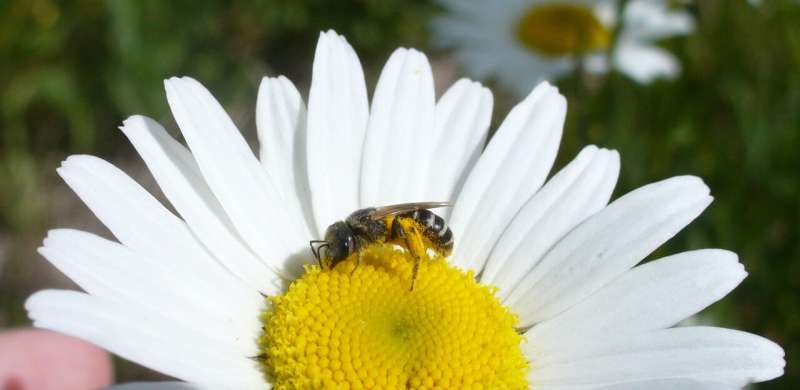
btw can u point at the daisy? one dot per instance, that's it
(522, 42)
(542, 290)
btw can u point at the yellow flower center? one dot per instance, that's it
(562, 29)
(364, 328)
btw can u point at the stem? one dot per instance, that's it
(580, 92)
(618, 27)
(579, 100)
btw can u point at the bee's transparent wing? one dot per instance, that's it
(386, 211)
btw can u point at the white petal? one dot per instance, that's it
(140, 222)
(248, 194)
(281, 122)
(337, 119)
(579, 190)
(650, 20)
(658, 384)
(145, 337)
(606, 245)
(645, 63)
(482, 12)
(181, 181)
(510, 171)
(703, 354)
(521, 69)
(115, 273)
(156, 386)
(596, 63)
(651, 296)
(463, 114)
(397, 148)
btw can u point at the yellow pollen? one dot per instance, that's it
(562, 29)
(363, 328)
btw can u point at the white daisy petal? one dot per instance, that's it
(396, 159)
(479, 64)
(455, 31)
(463, 114)
(337, 119)
(654, 295)
(246, 191)
(177, 174)
(479, 11)
(139, 221)
(156, 386)
(645, 63)
(657, 384)
(511, 169)
(703, 354)
(663, 384)
(596, 63)
(144, 337)
(606, 245)
(281, 123)
(111, 271)
(651, 20)
(579, 190)
(526, 70)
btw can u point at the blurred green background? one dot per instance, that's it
(71, 71)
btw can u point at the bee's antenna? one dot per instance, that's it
(319, 252)
(315, 250)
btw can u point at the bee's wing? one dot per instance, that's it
(386, 211)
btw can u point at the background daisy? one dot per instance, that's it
(519, 43)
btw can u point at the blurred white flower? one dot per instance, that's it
(522, 42)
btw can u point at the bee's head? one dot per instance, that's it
(339, 243)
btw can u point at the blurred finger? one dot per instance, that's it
(35, 359)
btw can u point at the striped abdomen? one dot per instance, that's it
(434, 228)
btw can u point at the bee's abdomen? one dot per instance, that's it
(434, 228)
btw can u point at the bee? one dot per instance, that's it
(411, 225)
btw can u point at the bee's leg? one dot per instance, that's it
(259, 357)
(358, 262)
(415, 271)
(399, 232)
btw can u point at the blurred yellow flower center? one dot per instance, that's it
(334, 329)
(561, 29)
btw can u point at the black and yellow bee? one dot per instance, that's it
(411, 225)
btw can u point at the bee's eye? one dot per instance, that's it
(345, 246)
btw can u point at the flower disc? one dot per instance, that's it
(365, 328)
(561, 29)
